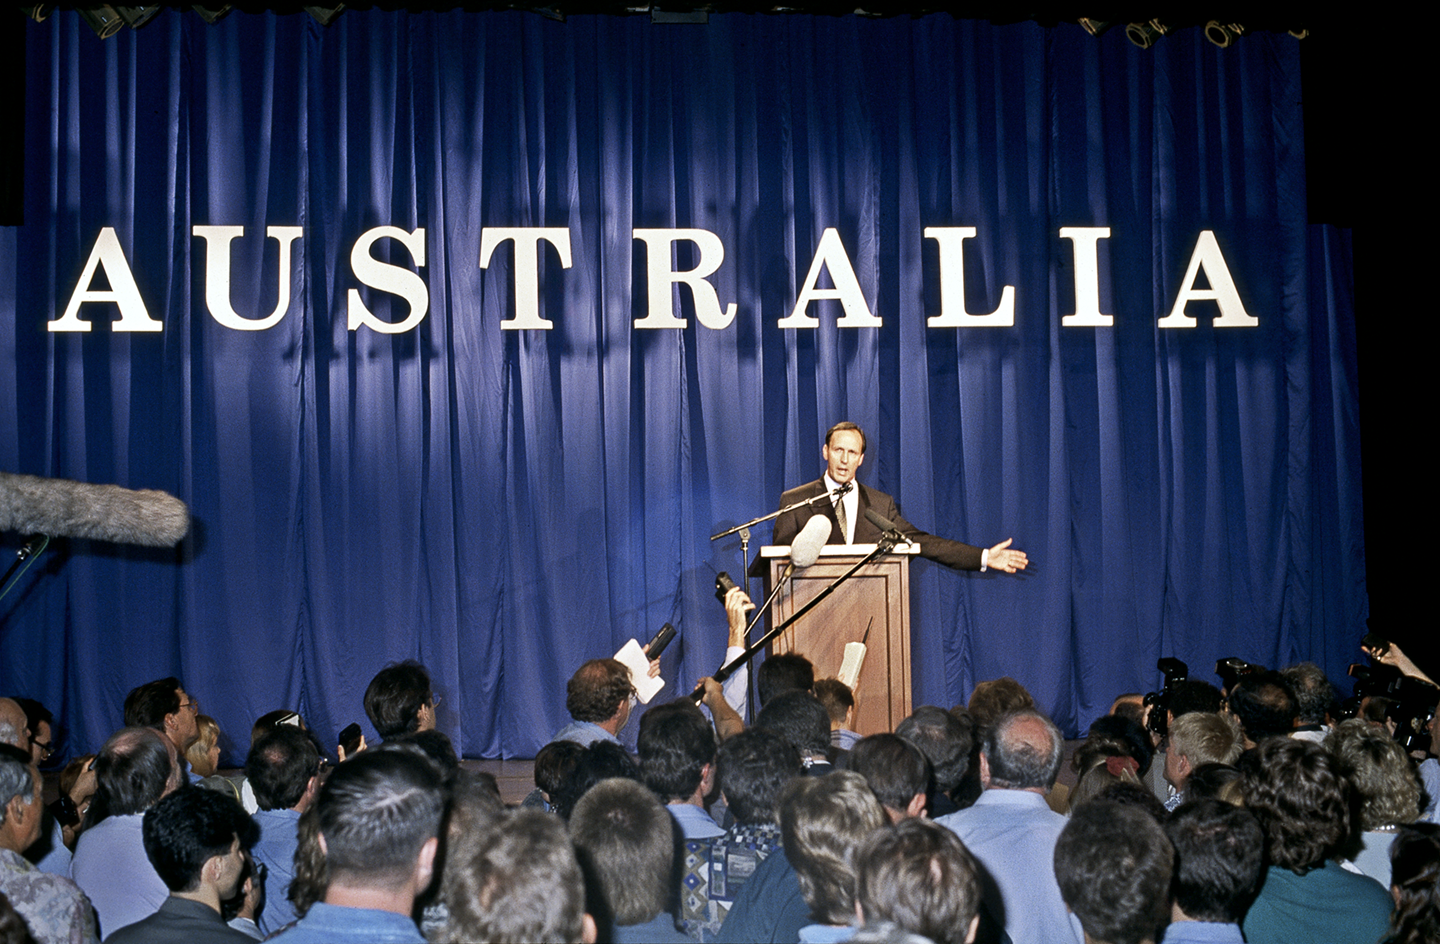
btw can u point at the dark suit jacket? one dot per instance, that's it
(941, 550)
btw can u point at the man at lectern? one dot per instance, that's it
(843, 452)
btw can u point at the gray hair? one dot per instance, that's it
(15, 780)
(1018, 762)
(8, 735)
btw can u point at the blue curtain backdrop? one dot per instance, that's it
(503, 505)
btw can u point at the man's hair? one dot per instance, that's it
(1219, 855)
(437, 746)
(1015, 762)
(1194, 695)
(674, 745)
(36, 714)
(894, 768)
(1129, 705)
(270, 720)
(998, 697)
(1112, 735)
(376, 811)
(625, 840)
(753, 767)
(189, 828)
(132, 772)
(394, 697)
(782, 673)
(919, 875)
(1215, 782)
(1313, 692)
(1204, 737)
(15, 778)
(1264, 704)
(602, 760)
(517, 882)
(554, 763)
(280, 766)
(147, 705)
(1415, 883)
(945, 741)
(799, 718)
(844, 425)
(822, 822)
(597, 688)
(1302, 800)
(1388, 788)
(1113, 865)
(837, 698)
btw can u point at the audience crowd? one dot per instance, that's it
(1249, 814)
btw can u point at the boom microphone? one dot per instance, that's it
(62, 508)
(805, 549)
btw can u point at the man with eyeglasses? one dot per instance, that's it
(399, 700)
(165, 706)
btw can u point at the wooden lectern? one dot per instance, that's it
(879, 591)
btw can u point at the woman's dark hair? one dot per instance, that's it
(1415, 883)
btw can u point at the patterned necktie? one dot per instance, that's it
(840, 517)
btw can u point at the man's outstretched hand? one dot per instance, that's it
(1002, 557)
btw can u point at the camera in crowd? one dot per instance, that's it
(1232, 669)
(1175, 671)
(1409, 702)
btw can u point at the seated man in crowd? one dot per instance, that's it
(918, 876)
(754, 767)
(896, 772)
(516, 881)
(784, 672)
(839, 703)
(1012, 831)
(1198, 738)
(399, 700)
(823, 821)
(134, 770)
(53, 907)
(677, 759)
(1313, 697)
(946, 740)
(625, 841)
(1219, 852)
(379, 819)
(165, 706)
(196, 840)
(799, 718)
(1113, 864)
(283, 769)
(1298, 793)
(598, 699)
(1264, 704)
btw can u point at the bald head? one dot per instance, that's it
(1022, 752)
(13, 728)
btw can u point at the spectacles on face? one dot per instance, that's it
(46, 749)
(192, 704)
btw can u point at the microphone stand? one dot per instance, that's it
(887, 543)
(32, 548)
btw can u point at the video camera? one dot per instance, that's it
(1414, 700)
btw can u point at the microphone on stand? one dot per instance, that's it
(885, 524)
(61, 508)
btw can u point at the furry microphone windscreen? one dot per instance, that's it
(62, 508)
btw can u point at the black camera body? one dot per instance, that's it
(1175, 671)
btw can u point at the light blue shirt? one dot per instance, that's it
(1013, 833)
(694, 822)
(332, 924)
(111, 868)
(584, 733)
(276, 848)
(1202, 932)
(1430, 777)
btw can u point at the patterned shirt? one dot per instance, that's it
(714, 872)
(54, 908)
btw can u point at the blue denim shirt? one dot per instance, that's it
(325, 924)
